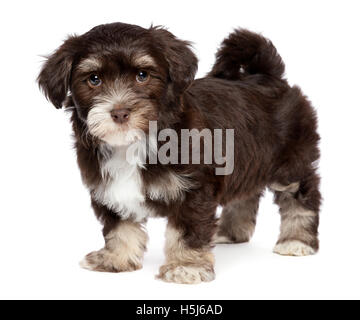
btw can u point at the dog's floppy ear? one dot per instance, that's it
(181, 60)
(54, 78)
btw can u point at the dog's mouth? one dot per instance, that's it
(108, 126)
(123, 132)
(118, 122)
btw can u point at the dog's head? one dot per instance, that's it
(119, 77)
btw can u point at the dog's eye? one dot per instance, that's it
(94, 80)
(142, 76)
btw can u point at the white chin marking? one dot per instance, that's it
(293, 248)
(122, 138)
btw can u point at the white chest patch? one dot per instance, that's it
(122, 188)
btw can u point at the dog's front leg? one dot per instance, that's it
(189, 259)
(125, 244)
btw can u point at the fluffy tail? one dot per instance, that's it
(245, 52)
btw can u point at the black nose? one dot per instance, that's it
(120, 115)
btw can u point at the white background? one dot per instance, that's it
(46, 223)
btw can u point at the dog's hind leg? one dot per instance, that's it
(238, 220)
(299, 209)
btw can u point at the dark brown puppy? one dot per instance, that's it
(118, 77)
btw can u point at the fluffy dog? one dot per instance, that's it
(119, 77)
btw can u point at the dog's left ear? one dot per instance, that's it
(182, 62)
(54, 78)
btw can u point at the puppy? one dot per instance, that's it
(117, 79)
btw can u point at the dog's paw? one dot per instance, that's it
(293, 248)
(107, 261)
(217, 239)
(187, 274)
(225, 239)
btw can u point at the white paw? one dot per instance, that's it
(190, 274)
(293, 248)
(107, 261)
(221, 239)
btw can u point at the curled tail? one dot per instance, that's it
(245, 52)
